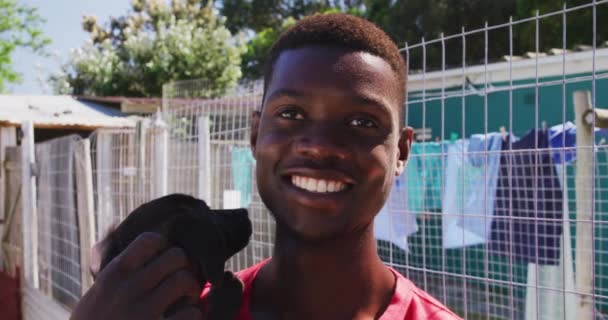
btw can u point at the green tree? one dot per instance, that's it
(258, 15)
(411, 20)
(259, 45)
(258, 48)
(155, 43)
(20, 26)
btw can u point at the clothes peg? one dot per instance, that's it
(503, 133)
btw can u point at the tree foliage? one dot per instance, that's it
(155, 43)
(20, 26)
(409, 21)
(258, 49)
(267, 19)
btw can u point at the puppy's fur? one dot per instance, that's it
(209, 238)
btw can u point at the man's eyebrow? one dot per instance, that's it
(377, 102)
(285, 92)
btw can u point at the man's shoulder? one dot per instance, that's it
(420, 304)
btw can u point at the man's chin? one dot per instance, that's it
(308, 234)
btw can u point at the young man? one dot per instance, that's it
(329, 141)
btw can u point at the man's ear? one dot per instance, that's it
(404, 146)
(255, 124)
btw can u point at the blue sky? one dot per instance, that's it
(63, 27)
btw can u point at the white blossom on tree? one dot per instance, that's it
(154, 44)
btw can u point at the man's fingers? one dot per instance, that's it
(138, 253)
(158, 269)
(181, 284)
(189, 313)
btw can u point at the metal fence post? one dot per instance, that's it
(28, 198)
(204, 158)
(160, 157)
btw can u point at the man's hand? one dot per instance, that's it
(142, 282)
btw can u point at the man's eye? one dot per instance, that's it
(291, 114)
(363, 123)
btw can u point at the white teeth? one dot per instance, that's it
(322, 186)
(312, 184)
(317, 185)
(331, 186)
(340, 185)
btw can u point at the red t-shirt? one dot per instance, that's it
(408, 303)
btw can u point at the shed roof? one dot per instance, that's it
(59, 112)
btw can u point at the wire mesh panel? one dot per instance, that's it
(122, 173)
(502, 210)
(210, 155)
(507, 198)
(58, 247)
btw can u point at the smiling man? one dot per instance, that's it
(329, 141)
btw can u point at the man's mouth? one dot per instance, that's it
(317, 185)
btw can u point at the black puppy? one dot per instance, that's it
(209, 238)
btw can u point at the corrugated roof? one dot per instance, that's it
(48, 111)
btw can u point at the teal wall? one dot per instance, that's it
(550, 108)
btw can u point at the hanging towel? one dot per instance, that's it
(424, 177)
(243, 165)
(470, 188)
(528, 210)
(394, 223)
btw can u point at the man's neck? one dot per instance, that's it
(336, 279)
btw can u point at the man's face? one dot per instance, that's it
(327, 141)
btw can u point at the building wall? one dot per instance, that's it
(550, 108)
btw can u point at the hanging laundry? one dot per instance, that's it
(470, 186)
(528, 210)
(562, 139)
(424, 176)
(394, 223)
(243, 164)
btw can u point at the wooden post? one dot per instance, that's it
(86, 210)
(28, 198)
(8, 138)
(599, 115)
(204, 159)
(160, 170)
(584, 205)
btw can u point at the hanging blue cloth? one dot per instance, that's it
(394, 223)
(424, 176)
(528, 211)
(470, 189)
(243, 165)
(562, 140)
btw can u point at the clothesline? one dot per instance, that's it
(491, 188)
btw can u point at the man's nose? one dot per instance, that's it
(322, 142)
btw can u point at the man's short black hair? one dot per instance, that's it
(340, 30)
